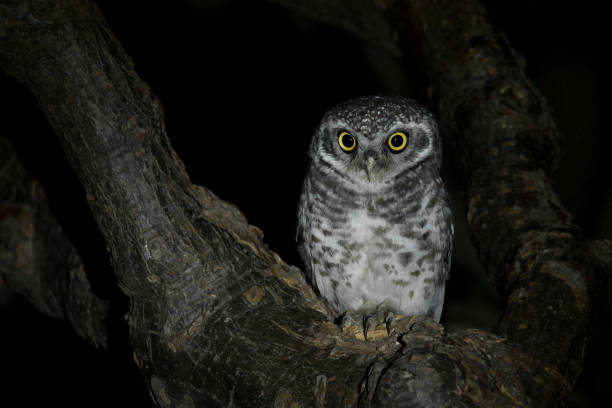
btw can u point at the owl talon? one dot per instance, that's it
(390, 322)
(346, 320)
(368, 323)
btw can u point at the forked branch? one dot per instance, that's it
(217, 319)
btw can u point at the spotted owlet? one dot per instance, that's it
(374, 221)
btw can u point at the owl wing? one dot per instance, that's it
(302, 236)
(444, 248)
(443, 243)
(447, 245)
(303, 251)
(301, 240)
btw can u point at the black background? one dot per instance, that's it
(243, 85)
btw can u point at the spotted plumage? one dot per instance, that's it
(374, 220)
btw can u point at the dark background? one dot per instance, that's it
(244, 84)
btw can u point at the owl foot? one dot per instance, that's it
(369, 322)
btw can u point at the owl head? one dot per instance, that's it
(374, 139)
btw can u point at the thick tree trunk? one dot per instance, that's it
(217, 319)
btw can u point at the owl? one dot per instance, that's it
(374, 222)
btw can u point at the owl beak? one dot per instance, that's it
(370, 166)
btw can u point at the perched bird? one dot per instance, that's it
(374, 222)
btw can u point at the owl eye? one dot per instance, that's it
(347, 142)
(397, 142)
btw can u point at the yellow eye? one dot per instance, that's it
(347, 142)
(397, 142)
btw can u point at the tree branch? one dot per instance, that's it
(218, 319)
(38, 260)
(506, 143)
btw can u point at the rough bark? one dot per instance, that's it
(37, 260)
(217, 319)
